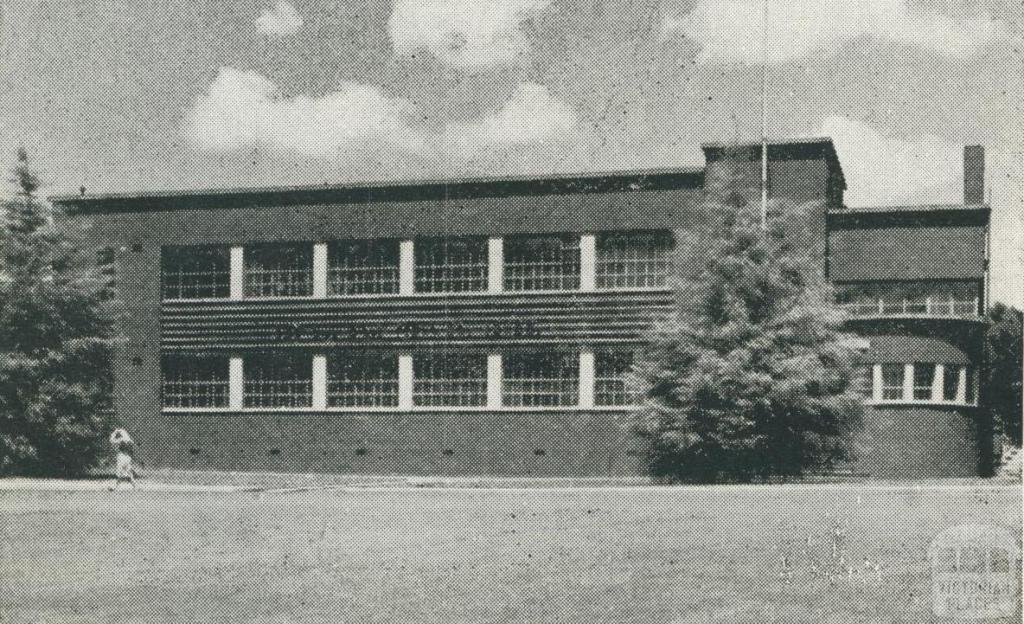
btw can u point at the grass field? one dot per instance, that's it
(679, 555)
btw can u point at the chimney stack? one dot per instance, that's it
(974, 175)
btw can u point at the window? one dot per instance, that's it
(633, 259)
(610, 371)
(451, 264)
(194, 381)
(892, 382)
(862, 379)
(924, 374)
(970, 392)
(195, 272)
(930, 298)
(450, 380)
(362, 268)
(362, 380)
(541, 379)
(548, 262)
(279, 270)
(950, 382)
(279, 380)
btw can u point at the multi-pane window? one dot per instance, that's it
(892, 382)
(633, 259)
(194, 381)
(923, 376)
(542, 262)
(957, 385)
(362, 267)
(970, 392)
(450, 380)
(454, 264)
(610, 371)
(361, 379)
(540, 379)
(198, 272)
(932, 298)
(950, 382)
(279, 380)
(279, 270)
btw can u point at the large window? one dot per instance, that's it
(542, 262)
(958, 385)
(633, 259)
(195, 272)
(362, 268)
(451, 264)
(924, 374)
(361, 379)
(610, 371)
(892, 382)
(541, 379)
(279, 380)
(450, 380)
(279, 270)
(194, 381)
(913, 298)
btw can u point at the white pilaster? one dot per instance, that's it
(405, 381)
(237, 272)
(908, 382)
(236, 383)
(320, 270)
(938, 383)
(495, 264)
(319, 382)
(406, 268)
(586, 378)
(961, 386)
(588, 261)
(494, 380)
(876, 383)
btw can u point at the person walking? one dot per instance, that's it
(124, 469)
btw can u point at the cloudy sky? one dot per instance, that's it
(133, 95)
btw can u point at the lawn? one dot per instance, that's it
(682, 555)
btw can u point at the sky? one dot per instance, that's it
(140, 95)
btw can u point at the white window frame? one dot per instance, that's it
(964, 374)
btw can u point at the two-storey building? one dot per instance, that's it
(486, 326)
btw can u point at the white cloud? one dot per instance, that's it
(243, 110)
(281, 21)
(729, 31)
(532, 116)
(468, 34)
(883, 170)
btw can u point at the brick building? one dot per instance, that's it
(485, 326)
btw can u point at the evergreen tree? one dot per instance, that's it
(750, 376)
(57, 339)
(1002, 391)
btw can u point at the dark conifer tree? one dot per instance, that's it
(57, 339)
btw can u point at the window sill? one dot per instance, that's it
(918, 403)
(425, 295)
(387, 410)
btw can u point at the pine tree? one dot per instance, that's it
(750, 376)
(57, 339)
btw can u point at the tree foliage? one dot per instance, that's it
(1002, 391)
(750, 376)
(57, 338)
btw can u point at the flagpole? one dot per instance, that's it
(764, 117)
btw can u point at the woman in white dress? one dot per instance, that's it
(124, 470)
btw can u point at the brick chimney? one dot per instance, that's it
(974, 175)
